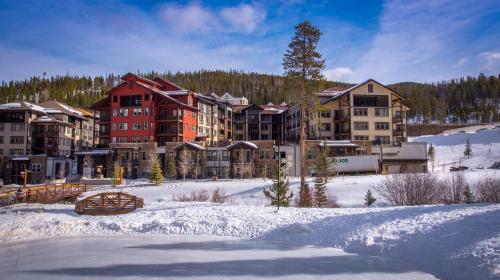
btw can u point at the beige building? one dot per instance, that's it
(367, 112)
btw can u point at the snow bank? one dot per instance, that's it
(434, 237)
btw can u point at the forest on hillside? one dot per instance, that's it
(460, 100)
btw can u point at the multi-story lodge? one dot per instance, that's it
(367, 112)
(259, 122)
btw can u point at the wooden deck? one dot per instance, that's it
(42, 194)
(109, 203)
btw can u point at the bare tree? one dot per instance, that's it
(488, 190)
(453, 188)
(185, 162)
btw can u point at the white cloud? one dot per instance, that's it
(189, 18)
(244, 17)
(420, 41)
(338, 74)
(195, 18)
(490, 61)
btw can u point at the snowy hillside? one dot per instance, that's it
(450, 145)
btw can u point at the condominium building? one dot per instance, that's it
(366, 112)
(259, 122)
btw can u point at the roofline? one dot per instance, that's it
(140, 78)
(359, 85)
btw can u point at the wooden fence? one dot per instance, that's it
(110, 203)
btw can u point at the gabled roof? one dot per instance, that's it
(167, 85)
(192, 145)
(22, 105)
(165, 95)
(346, 91)
(66, 109)
(139, 78)
(245, 143)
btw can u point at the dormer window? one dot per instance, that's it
(370, 87)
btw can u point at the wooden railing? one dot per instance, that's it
(42, 194)
(110, 203)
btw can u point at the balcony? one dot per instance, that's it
(398, 132)
(397, 119)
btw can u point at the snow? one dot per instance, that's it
(200, 257)
(449, 147)
(250, 144)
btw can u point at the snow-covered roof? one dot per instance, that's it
(21, 158)
(94, 152)
(22, 105)
(407, 151)
(250, 144)
(337, 143)
(196, 146)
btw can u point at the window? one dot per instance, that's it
(381, 125)
(311, 154)
(146, 125)
(17, 127)
(371, 100)
(115, 98)
(1, 139)
(146, 111)
(36, 167)
(122, 139)
(113, 139)
(113, 127)
(264, 127)
(16, 152)
(136, 139)
(239, 127)
(146, 97)
(361, 138)
(370, 87)
(1, 126)
(115, 112)
(136, 126)
(211, 155)
(123, 126)
(123, 112)
(360, 125)
(326, 114)
(131, 101)
(383, 139)
(17, 139)
(137, 111)
(325, 127)
(361, 111)
(382, 112)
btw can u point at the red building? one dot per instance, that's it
(142, 110)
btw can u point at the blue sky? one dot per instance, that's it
(391, 41)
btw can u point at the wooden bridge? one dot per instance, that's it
(42, 194)
(109, 203)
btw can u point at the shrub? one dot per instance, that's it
(201, 195)
(488, 190)
(410, 189)
(453, 188)
(219, 195)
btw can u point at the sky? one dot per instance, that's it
(390, 41)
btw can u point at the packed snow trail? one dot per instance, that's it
(193, 257)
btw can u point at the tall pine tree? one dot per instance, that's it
(303, 63)
(171, 170)
(155, 174)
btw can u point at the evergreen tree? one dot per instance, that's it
(171, 169)
(468, 149)
(322, 174)
(468, 195)
(431, 153)
(280, 187)
(155, 174)
(303, 63)
(369, 199)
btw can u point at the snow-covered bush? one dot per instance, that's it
(453, 188)
(219, 196)
(201, 195)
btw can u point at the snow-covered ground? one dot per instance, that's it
(447, 242)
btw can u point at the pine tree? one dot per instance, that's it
(468, 195)
(431, 153)
(303, 63)
(322, 174)
(468, 149)
(155, 174)
(170, 166)
(280, 186)
(369, 199)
